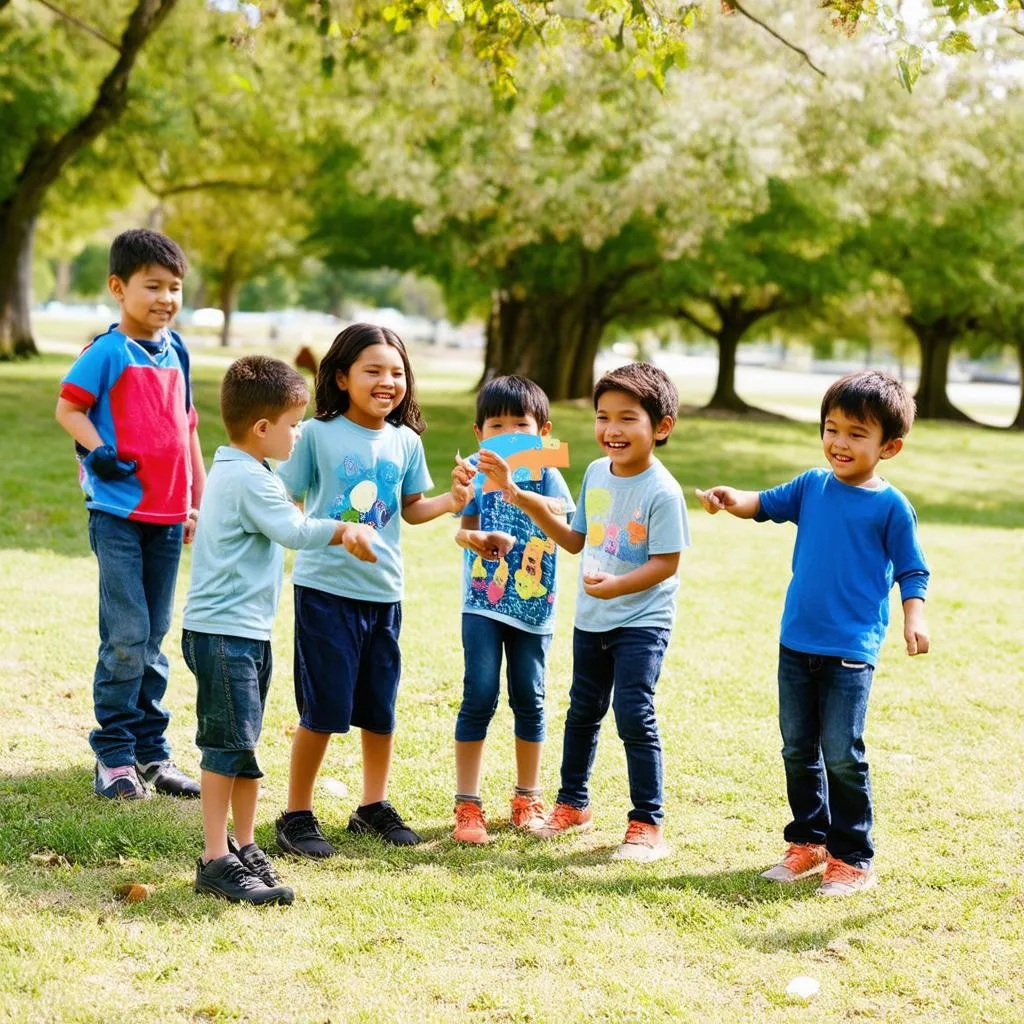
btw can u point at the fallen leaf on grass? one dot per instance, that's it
(50, 859)
(289, 729)
(133, 892)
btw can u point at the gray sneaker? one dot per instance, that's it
(167, 778)
(120, 783)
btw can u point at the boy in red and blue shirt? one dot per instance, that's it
(127, 402)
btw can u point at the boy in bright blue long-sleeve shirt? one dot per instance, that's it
(856, 536)
(237, 572)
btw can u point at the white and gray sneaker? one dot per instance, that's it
(167, 778)
(120, 783)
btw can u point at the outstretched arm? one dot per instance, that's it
(547, 513)
(742, 504)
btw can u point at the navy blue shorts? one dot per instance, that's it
(347, 662)
(232, 679)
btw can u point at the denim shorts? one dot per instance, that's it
(347, 662)
(233, 677)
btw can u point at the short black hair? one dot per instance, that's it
(512, 396)
(139, 248)
(256, 388)
(871, 395)
(649, 385)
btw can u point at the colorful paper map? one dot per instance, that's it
(527, 455)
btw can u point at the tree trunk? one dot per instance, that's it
(552, 339)
(43, 165)
(725, 397)
(1018, 420)
(228, 293)
(936, 343)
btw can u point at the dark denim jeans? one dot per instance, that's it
(823, 702)
(138, 569)
(620, 669)
(483, 640)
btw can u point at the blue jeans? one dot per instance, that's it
(525, 653)
(619, 668)
(823, 702)
(138, 569)
(232, 680)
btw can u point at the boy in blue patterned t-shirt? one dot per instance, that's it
(508, 604)
(631, 526)
(856, 536)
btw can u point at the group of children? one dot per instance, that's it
(344, 481)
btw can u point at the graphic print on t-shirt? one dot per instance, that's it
(522, 584)
(368, 494)
(612, 531)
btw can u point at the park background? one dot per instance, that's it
(757, 198)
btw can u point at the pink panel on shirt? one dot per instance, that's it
(148, 406)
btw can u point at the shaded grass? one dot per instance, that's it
(521, 931)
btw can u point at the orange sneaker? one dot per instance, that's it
(527, 812)
(842, 879)
(801, 860)
(643, 843)
(564, 818)
(470, 826)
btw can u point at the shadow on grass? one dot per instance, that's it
(100, 844)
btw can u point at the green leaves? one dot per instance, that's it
(908, 66)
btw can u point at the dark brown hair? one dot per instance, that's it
(649, 385)
(256, 388)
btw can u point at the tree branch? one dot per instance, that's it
(80, 24)
(701, 325)
(772, 32)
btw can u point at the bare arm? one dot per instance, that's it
(195, 454)
(549, 515)
(489, 544)
(417, 509)
(656, 569)
(74, 420)
(742, 504)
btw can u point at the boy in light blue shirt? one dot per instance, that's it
(856, 536)
(237, 573)
(630, 524)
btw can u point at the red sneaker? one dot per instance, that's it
(842, 879)
(643, 843)
(527, 812)
(470, 826)
(564, 818)
(801, 860)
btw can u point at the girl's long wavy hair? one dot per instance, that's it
(332, 401)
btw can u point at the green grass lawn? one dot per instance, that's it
(521, 931)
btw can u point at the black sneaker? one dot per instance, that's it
(257, 861)
(299, 834)
(167, 778)
(384, 821)
(230, 879)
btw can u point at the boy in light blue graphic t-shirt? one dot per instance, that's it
(630, 524)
